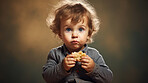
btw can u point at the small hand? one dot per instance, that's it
(87, 63)
(69, 62)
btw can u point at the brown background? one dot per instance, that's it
(25, 40)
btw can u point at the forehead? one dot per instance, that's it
(70, 21)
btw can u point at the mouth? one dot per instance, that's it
(74, 42)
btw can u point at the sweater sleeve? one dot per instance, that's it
(53, 72)
(101, 72)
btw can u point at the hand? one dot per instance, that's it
(69, 62)
(87, 63)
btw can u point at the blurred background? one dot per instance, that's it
(25, 40)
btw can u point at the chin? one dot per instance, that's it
(76, 47)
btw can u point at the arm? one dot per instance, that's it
(101, 73)
(53, 72)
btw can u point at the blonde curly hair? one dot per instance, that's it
(74, 9)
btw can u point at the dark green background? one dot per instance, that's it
(25, 39)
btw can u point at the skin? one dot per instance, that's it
(74, 37)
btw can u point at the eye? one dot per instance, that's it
(81, 29)
(68, 29)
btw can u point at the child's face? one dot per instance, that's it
(74, 35)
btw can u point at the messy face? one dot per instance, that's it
(74, 35)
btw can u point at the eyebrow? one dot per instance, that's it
(65, 26)
(83, 25)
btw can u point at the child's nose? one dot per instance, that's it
(74, 34)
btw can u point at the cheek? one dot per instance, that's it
(87, 36)
(84, 36)
(66, 36)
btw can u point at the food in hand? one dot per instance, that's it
(78, 55)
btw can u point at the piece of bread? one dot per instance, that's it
(78, 55)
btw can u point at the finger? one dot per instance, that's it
(85, 57)
(70, 66)
(86, 60)
(71, 62)
(71, 59)
(84, 64)
(70, 56)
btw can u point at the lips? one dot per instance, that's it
(75, 42)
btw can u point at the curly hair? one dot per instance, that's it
(76, 10)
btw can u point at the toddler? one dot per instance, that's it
(75, 22)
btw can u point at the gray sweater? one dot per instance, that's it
(53, 71)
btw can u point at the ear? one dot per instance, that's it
(60, 36)
(88, 37)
